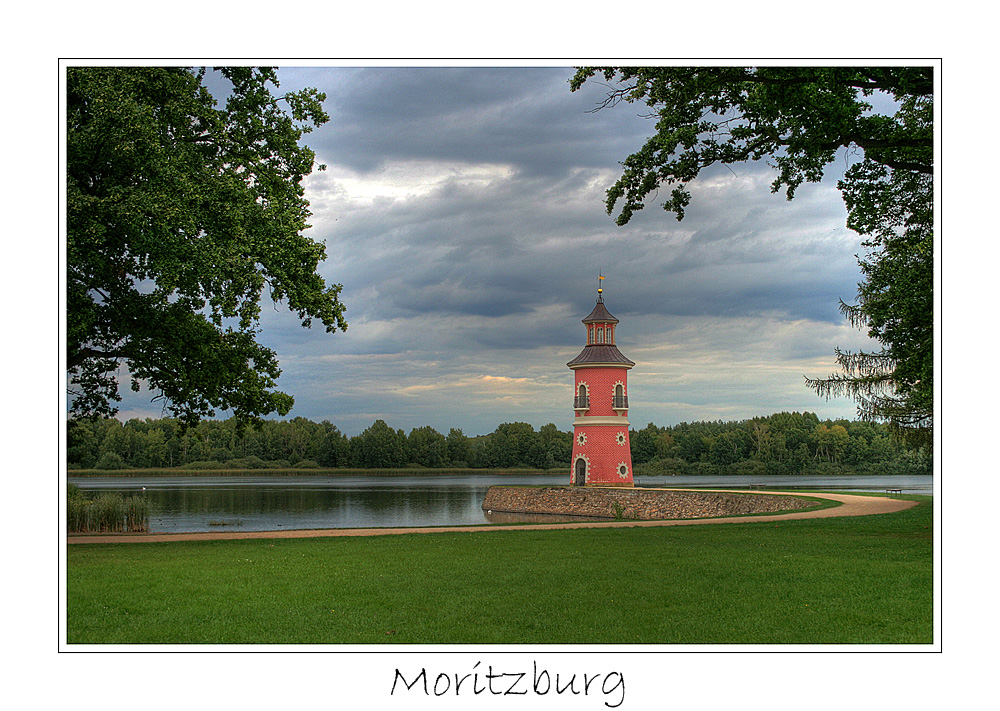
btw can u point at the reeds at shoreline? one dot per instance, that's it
(106, 513)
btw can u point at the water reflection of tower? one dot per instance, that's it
(602, 455)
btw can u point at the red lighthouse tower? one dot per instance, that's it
(601, 452)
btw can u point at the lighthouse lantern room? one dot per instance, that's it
(601, 452)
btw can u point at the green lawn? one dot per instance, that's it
(865, 580)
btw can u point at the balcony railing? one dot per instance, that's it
(581, 403)
(620, 402)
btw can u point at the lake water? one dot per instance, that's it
(269, 503)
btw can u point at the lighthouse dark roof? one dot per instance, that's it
(600, 353)
(600, 314)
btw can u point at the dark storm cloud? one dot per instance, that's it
(515, 243)
(525, 117)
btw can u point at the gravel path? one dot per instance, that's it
(850, 505)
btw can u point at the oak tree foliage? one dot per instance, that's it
(180, 212)
(797, 119)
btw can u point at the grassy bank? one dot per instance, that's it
(865, 580)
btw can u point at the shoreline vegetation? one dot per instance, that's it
(108, 512)
(783, 443)
(408, 471)
(292, 471)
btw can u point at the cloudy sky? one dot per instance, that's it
(463, 211)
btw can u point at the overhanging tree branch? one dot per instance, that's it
(800, 117)
(175, 206)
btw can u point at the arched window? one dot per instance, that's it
(620, 399)
(582, 401)
(600, 334)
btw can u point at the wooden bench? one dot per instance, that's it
(894, 491)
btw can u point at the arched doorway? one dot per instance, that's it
(580, 472)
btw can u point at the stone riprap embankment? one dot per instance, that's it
(638, 504)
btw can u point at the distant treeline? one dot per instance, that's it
(783, 443)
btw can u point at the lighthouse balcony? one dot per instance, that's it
(581, 403)
(620, 404)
